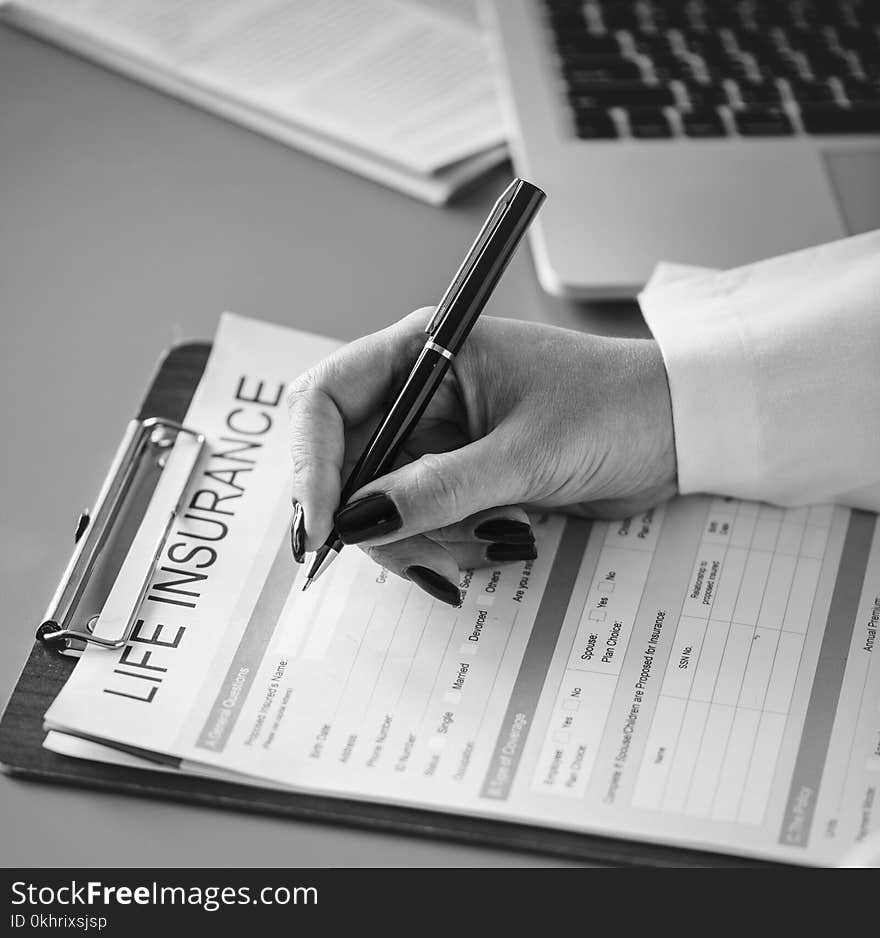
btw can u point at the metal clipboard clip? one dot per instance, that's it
(145, 441)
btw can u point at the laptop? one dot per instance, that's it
(708, 133)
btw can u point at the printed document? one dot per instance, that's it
(702, 674)
(400, 90)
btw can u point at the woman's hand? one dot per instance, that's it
(528, 416)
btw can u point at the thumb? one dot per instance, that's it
(436, 490)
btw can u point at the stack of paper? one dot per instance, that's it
(398, 91)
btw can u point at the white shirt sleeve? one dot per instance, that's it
(774, 374)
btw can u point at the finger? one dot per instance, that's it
(432, 492)
(317, 449)
(424, 562)
(343, 389)
(506, 525)
(435, 567)
(475, 554)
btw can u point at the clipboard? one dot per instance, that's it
(65, 629)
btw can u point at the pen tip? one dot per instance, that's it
(307, 584)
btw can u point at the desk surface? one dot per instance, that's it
(128, 222)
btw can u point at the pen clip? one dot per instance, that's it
(468, 263)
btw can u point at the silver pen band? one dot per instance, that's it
(439, 349)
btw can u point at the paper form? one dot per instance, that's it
(702, 674)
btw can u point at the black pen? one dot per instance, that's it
(450, 325)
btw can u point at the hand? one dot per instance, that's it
(528, 417)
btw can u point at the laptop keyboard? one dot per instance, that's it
(658, 69)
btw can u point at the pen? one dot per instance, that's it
(450, 325)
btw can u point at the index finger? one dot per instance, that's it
(342, 390)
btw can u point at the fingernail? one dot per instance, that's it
(434, 584)
(505, 531)
(368, 517)
(507, 553)
(298, 534)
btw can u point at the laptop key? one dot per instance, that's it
(648, 123)
(770, 58)
(708, 46)
(703, 95)
(586, 44)
(828, 63)
(734, 69)
(564, 17)
(619, 16)
(828, 119)
(761, 120)
(863, 43)
(760, 45)
(611, 71)
(811, 91)
(565, 20)
(858, 90)
(703, 122)
(573, 60)
(654, 44)
(622, 94)
(870, 66)
(668, 67)
(595, 124)
(765, 92)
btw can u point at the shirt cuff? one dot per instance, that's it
(714, 406)
(772, 371)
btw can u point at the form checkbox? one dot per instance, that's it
(468, 648)
(436, 743)
(606, 587)
(452, 697)
(485, 601)
(570, 703)
(598, 615)
(562, 736)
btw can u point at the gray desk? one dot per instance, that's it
(128, 221)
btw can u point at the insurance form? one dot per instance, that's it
(702, 674)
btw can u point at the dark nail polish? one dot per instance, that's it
(369, 517)
(435, 584)
(507, 553)
(505, 531)
(298, 534)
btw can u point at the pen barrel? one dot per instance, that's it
(488, 266)
(380, 453)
